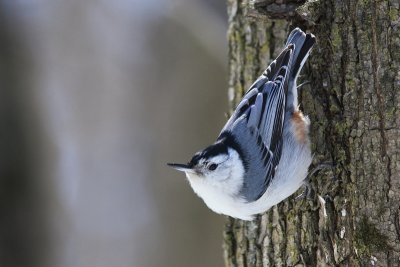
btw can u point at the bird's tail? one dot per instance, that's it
(303, 43)
(300, 44)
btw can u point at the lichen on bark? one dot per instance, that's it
(352, 98)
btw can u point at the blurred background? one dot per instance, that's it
(95, 97)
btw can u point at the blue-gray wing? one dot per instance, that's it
(270, 74)
(257, 125)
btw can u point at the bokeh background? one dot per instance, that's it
(95, 97)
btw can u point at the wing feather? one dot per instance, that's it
(256, 125)
(255, 111)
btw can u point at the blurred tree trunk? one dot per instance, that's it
(352, 99)
(24, 194)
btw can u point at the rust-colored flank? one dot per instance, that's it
(299, 126)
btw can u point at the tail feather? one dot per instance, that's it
(303, 43)
(275, 66)
(273, 69)
(300, 44)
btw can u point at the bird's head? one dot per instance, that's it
(215, 165)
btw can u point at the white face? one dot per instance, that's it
(215, 168)
(223, 171)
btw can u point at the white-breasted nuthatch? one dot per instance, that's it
(262, 154)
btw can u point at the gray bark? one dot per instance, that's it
(352, 99)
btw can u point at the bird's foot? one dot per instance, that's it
(319, 167)
(308, 192)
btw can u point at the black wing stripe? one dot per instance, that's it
(276, 133)
(269, 70)
(268, 177)
(271, 91)
(267, 125)
(269, 156)
(244, 107)
(252, 95)
(258, 83)
(245, 104)
(271, 111)
(278, 125)
(282, 59)
(266, 97)
(278, 87)
(277, 95)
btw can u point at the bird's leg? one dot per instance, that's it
(307, 193)
(321, 166)
(304, 83)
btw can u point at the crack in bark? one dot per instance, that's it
(397, 222)
(378, 91)
(284, 9)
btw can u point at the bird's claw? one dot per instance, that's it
(321, 166)
(308, 190)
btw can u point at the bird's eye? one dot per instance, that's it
(212, 166)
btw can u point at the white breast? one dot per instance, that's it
(216, 199)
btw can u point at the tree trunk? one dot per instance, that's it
(352, 99)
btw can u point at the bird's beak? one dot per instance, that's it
(181, 167)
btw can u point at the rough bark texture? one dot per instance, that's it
(352, 99)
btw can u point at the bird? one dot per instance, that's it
(263, 153)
